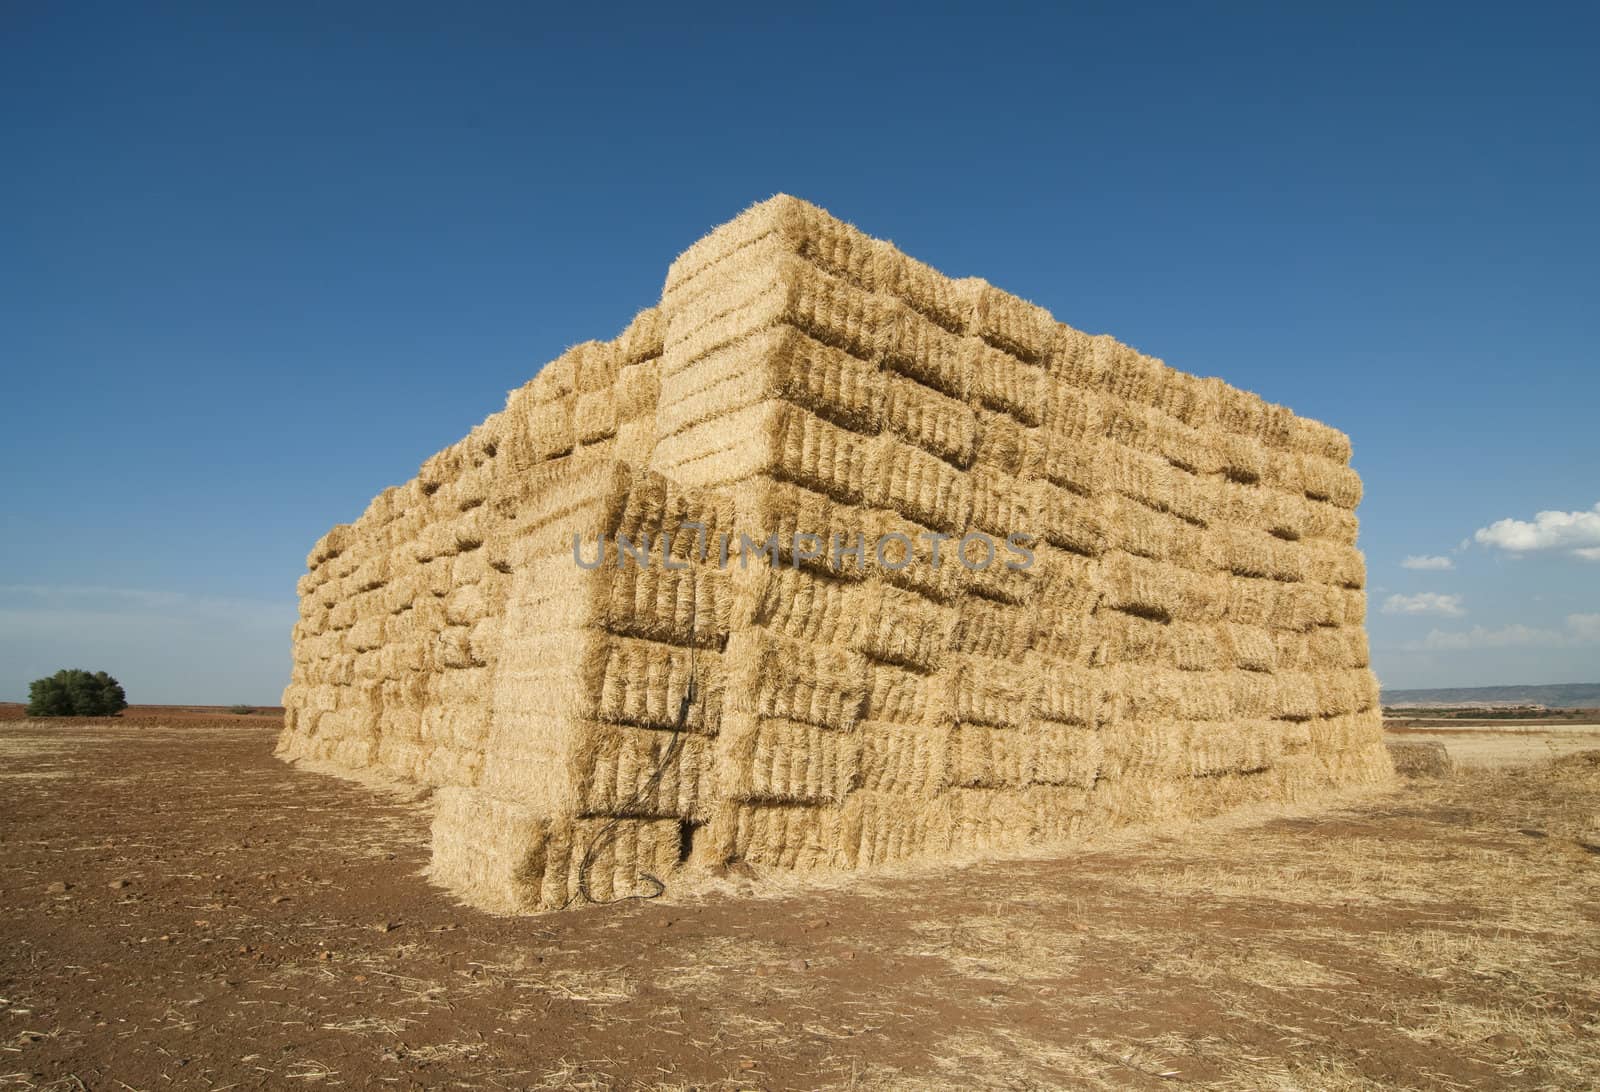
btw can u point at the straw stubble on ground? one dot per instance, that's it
(274, 929)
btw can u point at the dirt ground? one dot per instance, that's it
(178, 909)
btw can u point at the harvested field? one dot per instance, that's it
(1500, 746)
(275, 931)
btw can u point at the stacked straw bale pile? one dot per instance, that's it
(1188, 636)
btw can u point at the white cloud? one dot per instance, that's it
(1428, 563)
(1582, 629)
(1513, 636)
(1424, 603)
(1575, 531)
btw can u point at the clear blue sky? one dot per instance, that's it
(256, 264)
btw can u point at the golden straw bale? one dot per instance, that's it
(911, 345)
(1247, 552)
(923, 288)
(977, 690)
(1325, 480)
(1006, 445)
(1135, 585)
(935, 422)
(785, 761)
(986, 628)
(800, 837)
(798, 604)
(1334, 563)
(1001, 382)
(1071, 521)
(808, 451)
(1020, 328)
(1075, 360)
(898, 695)
(594, 416)
(1310, 437)
(1066, 754)
(641, 772)
(903, 759)
(986, 756)
(881, 828)
(772, 676)
(1250, 647)
(896, 626)
(643, 683)
(1002, 503)
(921, 487)
(1152, 693)
(1159, 536)
(638, 390)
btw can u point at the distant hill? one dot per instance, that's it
(1559, 696)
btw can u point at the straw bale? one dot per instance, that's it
(790, 292)
(1135, 585)
(915, 567)
(1339, 692)
(986, 628)
(777, 760)
(789, 225)
(1006, 445)
(1066, 637)
(1247, 552)
(1325, 480)
(937, 423)
(775, 677)
(1421, 759)
(1310, 437)
(881, 828)
(643, 683)
(676, 606)
(1070, 520)
(978, 690)
(903, 759)
(985, 756)
(1003, 577)
(1072, 462)
(1239, 411)
(1073, 360)
(1250, 647)
(1154, 693)
(1003, 383)
(641, 772)
(923, 288)
(798, 837)
(1185, 447)
(913, 346)
(899, 627)
(1014, 325)
(808, 451)
(800, 605)
(898, 695)
(790, 512)
(447, 766)
(594, 416)
(1149, 533)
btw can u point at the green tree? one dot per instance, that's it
(72, 692)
